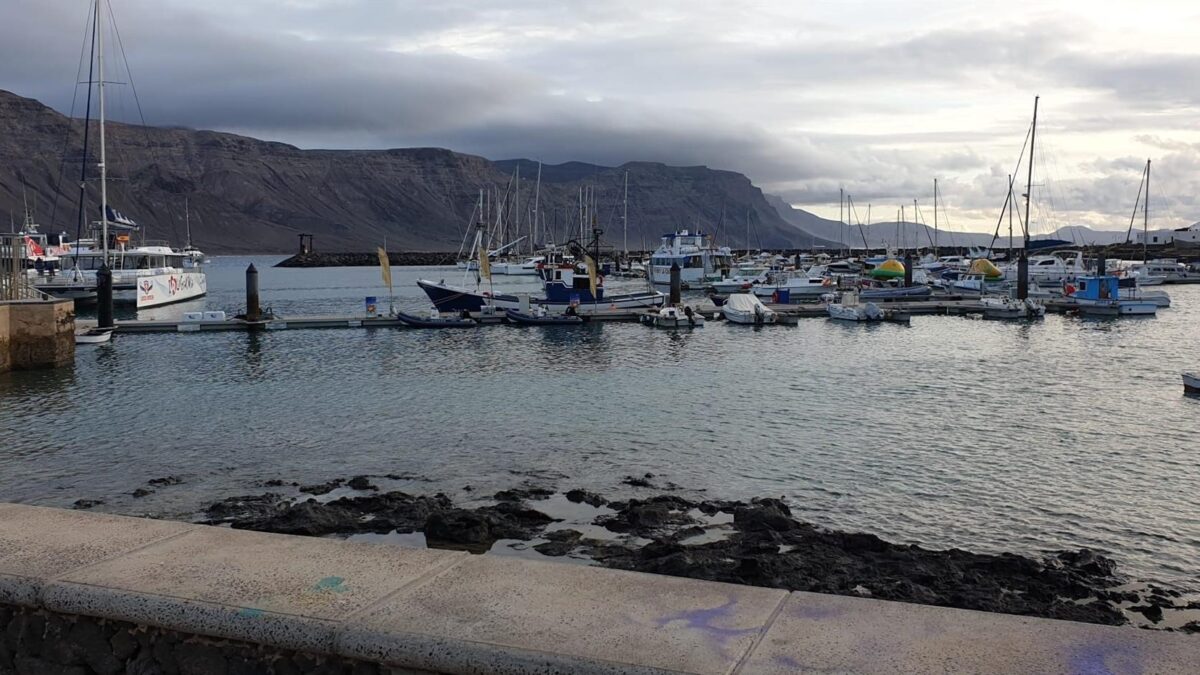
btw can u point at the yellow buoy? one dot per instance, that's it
(986, 268)
(888, 269)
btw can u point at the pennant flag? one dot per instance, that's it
(485, 265)
(385, 266)
(591, 268)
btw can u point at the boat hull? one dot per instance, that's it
(156, 290)
(534, 320)
(1191, 384)
(451, 299)
(423, 322)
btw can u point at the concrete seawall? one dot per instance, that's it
(36, 334)
(85, 592)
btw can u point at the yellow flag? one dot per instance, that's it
(591, 267)
(485, 265)
(385, 266)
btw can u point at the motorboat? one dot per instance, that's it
(1147, 274)
(540, 317)
(895, 292)
(1169, 269)
(693, 252)
(434, 319)
(525, 268)
(743, 279)
(1100, 296)
(1004, 307)
(866, 312)
(674, 316)
(563, 285)
(1051, 269)
(747, 309)
(1131, 289)
(786, 287)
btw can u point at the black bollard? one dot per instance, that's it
(907, 270)
(104, 297)
(1022, 277)
(1101, 263)
(676, 283)
(253, 311)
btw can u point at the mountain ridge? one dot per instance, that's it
(247, 195)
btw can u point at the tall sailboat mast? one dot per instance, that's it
(1023, 262)
(1146, 214)
(935, 221)
(103, 157)
(625, 213)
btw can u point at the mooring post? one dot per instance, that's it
(1022, 276)
(104, 297)
(1101, 263)
(676, 283)
(908, 262)
(253, 312)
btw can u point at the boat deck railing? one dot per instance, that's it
(14, 284)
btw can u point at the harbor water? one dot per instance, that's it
(951, 432)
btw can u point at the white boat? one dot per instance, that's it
(1170, 270)
(1191, 383)
(865, 312)
(1004, 307)
(525, 268)
(1051, 270)
(150, 274)
(674, 317)
(793, 285)
(1145, 275)
(93, 336)
(746, 308)
(1159, 298)
(697, 258)
(744, 279)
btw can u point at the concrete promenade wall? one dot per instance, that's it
(36, 334)
(172, 597)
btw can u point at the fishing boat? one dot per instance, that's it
(1191, 384)
(93, 336)
(747, 309)
(540, 317)
(1100, 296)
(435, 320)
(674, 317)
(693, 252)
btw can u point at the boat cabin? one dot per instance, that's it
(1098, 288)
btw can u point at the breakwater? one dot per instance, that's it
(398, 258)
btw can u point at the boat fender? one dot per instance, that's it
(827, 282)
(775, 297)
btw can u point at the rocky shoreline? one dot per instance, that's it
(398, 258)
(757, 542)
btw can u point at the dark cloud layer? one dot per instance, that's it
(616, 82)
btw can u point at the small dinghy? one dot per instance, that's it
(1191, 384)
(93, 336)
(746, 309)
(434, 320)
(674, 317)
(541, 318)
(868, 312)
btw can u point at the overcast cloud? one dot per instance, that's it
(877, 97)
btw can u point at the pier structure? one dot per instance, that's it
(89, 592)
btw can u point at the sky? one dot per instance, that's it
(876, 97)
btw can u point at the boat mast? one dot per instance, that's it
(1010, 235)
(537, 198)
(935, 221)
(187, 222)
(1023, 263)
(1146, 214)
(625, 213)
(103, 163)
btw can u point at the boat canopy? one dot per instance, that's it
(745, 302)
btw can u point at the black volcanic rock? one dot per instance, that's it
(252, 196)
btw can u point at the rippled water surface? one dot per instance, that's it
(949, 432)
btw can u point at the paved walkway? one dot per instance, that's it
(452, 612)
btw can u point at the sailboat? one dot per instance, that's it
(151, 275)
(191, 253)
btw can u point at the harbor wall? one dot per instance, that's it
(36, 334)
(97, 593)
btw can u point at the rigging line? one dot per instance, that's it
(1136, 202)
(81, 216)
(854, 209)
(920, 220)
(1007, 198)
(62, 167)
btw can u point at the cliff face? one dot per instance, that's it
(247, 195)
